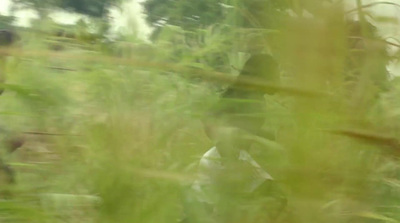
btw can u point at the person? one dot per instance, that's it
(242, 105)
(232, 186)
(7, 38)
(10, 141)
(366, 75)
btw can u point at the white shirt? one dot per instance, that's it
(211, 168)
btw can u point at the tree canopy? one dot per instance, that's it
(95, 8)
(184, 13)
(190, 14)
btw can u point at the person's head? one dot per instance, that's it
(367, 54)
(8, 37)
(263, 68)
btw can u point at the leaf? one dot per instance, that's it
(376, 216)
(392, 182)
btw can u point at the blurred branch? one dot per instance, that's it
(371, 5)
(61, 68)
(248, 83)
(265, 142)
(48, 133)
(372, 137)
(161, 174)
(375, 40)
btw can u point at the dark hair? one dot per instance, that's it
(257, 64)
(259, 67)
(7, 37)
(243, 106)
(366, 48)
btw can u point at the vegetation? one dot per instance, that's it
(96, 8)
(113, 129)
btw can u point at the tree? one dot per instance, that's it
(185, 13)
(41, 6)
(6, 22)
(95, 8)
(194, 14)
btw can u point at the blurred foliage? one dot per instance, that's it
(6, 22)
(42, 6)
(95, 8)
(113, 127)
(187, 14)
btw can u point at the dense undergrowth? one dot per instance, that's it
(113, 130)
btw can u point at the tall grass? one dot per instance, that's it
(122, 132)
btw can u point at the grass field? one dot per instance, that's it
(113, 131)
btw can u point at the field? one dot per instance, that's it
(113, 130)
